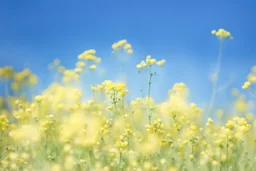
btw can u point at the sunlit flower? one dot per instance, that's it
(246, 85)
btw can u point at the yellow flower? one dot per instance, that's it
(78, 70)
(222, 33)
(139, 66)
(98, 60)
(90, 57)
(130, 51)
(122, 42)
(38, 98)
(32, 79)
(246, 85)
(214, 32)
(160, 63)
(80, 64)
(90, 52)
(115, 46)
(148, 57)
(150, 61)
(127, 46)
(252, 78)
(93, 67)
(15, 86)
(6, 72)
(172, 169)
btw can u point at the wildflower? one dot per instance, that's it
(161, 62)
(221, 33)
(139, 66)
(38, 98)
(93, 67)
(115, 46)
(127, 46)
(98, 60)
(252, 78)
(78, 70)
(130, 51)
(209, 122)
(214, 32)
(122, 42)
(246, 85)
(80, 64)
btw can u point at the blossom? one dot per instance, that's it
(246, 85)
(221, 33)
(93, 67)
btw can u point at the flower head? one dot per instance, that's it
(246, 85)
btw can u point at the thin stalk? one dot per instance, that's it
(227, 155)
(214, 90)
(253, 93)
(176, 123)
(122, 69)
(90, 156)
(93, 93)
(115, 102)
(220, 159)
(120, 160)
(123, 104)
(149, 91)
(7, 93)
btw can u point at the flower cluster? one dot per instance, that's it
(19, 80)
(6, 72)
(105, 128)
(88, 55)
(114, 89)
(155, 127)
(149, 62)
(221, 33)
(123, 45)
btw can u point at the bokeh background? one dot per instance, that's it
(34, 33)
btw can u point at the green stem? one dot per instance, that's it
(149, 91)
(176, 124)
(220, 159)
(123, 104)
(90, 155)
(128, 139)
(115, 102)
(120, 160)
(227, 155)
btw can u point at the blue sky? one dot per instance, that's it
(33, 33)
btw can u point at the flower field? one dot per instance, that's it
(58, 130)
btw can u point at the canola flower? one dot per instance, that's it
(59, 130)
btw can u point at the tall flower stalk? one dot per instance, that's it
(222, 34)
(149, 64)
